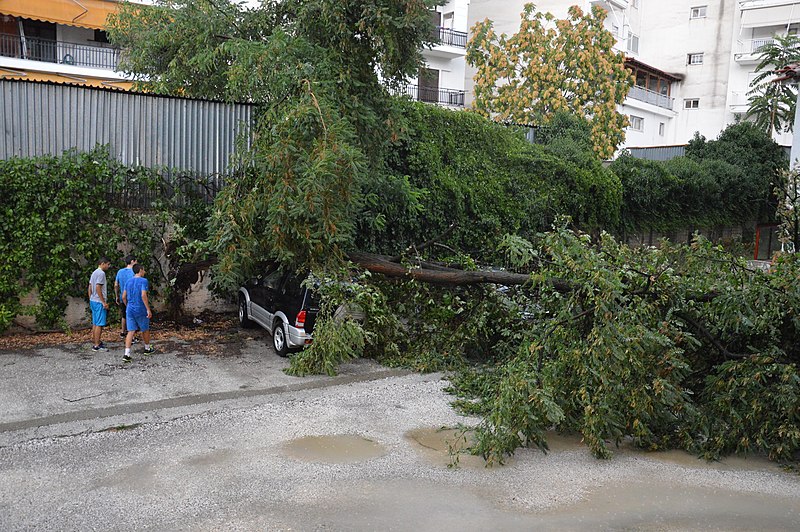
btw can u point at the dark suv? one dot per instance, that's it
(278, 301)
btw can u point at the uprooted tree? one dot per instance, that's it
(679, 347)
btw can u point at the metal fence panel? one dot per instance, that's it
(658, 153)
(141, 130)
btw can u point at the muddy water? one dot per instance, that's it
(648, 502)
(333, 449)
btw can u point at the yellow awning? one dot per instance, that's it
(32, 75)
(84, 13)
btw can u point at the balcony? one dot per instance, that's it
(66, 53)
(652, 97)
(449, 43)
(749, 51)
(766, 13)
(447, 97)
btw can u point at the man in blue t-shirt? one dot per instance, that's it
(122, 278)
(138, 312)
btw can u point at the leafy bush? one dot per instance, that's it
(459, 168)
(681, 346)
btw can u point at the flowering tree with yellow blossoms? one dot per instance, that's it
(552, 65)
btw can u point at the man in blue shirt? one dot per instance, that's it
(138, 311)
(123, 276)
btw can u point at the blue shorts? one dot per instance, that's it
(99, 314)
(137, 322)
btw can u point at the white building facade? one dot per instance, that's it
(693, 60)
(441, 80)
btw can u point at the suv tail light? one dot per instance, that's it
(300, 320)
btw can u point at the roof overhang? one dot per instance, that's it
(84, 13)
(635, 63)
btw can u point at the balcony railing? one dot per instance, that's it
(66, 53)
(448, 37)
(754, 46)
(651, 97)
(449, 97)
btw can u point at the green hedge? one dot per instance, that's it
(459, 168)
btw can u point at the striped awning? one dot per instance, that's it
(84, 13)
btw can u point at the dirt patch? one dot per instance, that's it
(207, 334)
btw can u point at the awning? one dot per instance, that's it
(66, 79)
(84, 13)
(764, 16)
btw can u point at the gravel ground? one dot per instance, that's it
(231, 468)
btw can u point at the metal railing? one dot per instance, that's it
(449, 97)
(652, 97)
(448, 37)
(67, 53)
(754, 46)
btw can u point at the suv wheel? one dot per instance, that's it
(244, 319)
(279, 339)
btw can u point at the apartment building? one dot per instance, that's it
(58, 40)
(692, 60)
(441, 80)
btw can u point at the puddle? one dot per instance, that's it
(438, 444)
(652, 505)
(333, 449)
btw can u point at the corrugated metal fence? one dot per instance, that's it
(195, 136)
(658, 153)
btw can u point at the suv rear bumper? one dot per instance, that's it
(297, 338)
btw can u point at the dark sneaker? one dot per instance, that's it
(149, 350)
(136, 340)
(98, 348)
(126, 358)
(122, 336)
(103, 346)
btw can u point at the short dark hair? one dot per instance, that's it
(103, 260)
(129, 258)
(137, 268)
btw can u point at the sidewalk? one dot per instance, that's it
(56, 391)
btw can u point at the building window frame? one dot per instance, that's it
(695, 58)
(662, 128)
(691, 103)
(633, 43)
(698, 12)
(636, 122)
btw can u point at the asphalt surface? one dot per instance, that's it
(180, 441)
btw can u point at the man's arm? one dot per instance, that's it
(99, 291)
(125, 297)
(116, 290)
(146, 304)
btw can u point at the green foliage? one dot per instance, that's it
(460, 169)
(57, 222)
(725, 181)
(787, 192)
(772, 104)
(673, 347)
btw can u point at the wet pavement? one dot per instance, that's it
(193, 442)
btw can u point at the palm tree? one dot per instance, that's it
(772, 104)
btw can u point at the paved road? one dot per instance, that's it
(232, 443)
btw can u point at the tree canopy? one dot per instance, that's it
(772, 104)
(552, 65)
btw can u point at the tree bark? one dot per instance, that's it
(440, 275)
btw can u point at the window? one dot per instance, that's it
(447, 20)
(694, 59)
(637, 123)
(614, 29)
(697, 12)
(691, 103)
(100, 36)
(661, 128)
(633, 43)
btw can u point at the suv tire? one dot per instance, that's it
(279, 339)
(244, 318)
